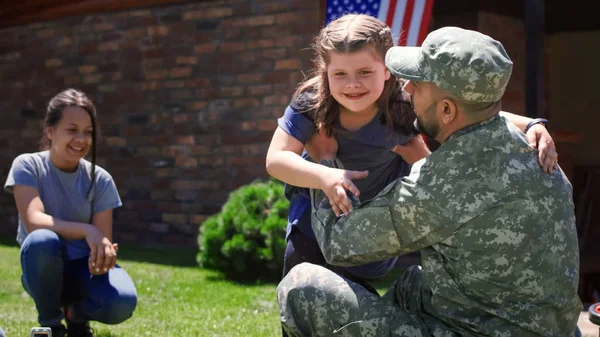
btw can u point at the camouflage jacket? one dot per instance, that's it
(497, 234)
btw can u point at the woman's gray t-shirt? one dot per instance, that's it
(64, 193)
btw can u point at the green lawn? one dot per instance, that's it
(175, 299)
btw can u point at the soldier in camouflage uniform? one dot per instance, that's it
(497, 234)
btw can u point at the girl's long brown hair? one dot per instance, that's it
(348, 34)
(57, 105)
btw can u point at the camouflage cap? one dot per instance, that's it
(464, 63)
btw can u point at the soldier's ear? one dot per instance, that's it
(448, 110)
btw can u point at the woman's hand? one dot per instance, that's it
(103, 253)
(539, 138)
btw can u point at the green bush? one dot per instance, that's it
(246, 240)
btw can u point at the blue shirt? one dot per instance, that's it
(64, 193)
(368, 148)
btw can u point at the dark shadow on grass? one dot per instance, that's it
(9, 241)
(220, 277)
(167, 255)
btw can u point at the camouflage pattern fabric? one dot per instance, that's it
(498, 241)
(465, 63)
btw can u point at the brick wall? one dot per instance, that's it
(187, 97)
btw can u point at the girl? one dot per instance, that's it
(65, 206)
(352, 97)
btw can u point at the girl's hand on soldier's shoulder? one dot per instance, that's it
(413, 150)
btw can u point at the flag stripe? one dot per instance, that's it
(425, 21)
(383, 10)
(396, 26)
(391, 14)
(408, 13)
(415, 23)
(408, 19)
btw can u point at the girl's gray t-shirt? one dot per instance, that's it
(64, 193)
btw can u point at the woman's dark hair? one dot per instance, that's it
(57, 105)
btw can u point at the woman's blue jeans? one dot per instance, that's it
(54, 282)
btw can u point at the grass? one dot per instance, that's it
(175, 298)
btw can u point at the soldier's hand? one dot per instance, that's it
(335, 183)
(539, 138)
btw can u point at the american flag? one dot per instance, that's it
(408, 19)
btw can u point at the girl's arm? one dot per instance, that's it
(538, 137)
(285, 163)
(32, 212)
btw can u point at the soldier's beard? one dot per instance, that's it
(430, 128)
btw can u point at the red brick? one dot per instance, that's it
(180, 72)
(205, 48)
(158, 30)
(277, 77)
(287, 18)
(197, 82)
(231, 46)
(148, 151)
(249, 78)
(198, 150)
(186, 162)
(134, 33)
(108, 46)
(275, 100)
(211, 161)
(116, 76)
(162, 195)
(175, 218)
(45, 33)
(104, 26)
(232, 91)
(107, 87)
(91, 79)
(273, 54)
(186, 60)
(253, 44)
(181, 94)
(261, 20)
(65, 41)
(291, 64)
(156, 74)
(198, 219)
(273, 7)
(211, 13)
(184, 118)
(87, 69)
(53, 63)
(246, 103)
(199, 105)
(149, 85)
(185, 140)
(174, 84)
(141, 12)
(258, 90)
(72, 80)
(193, 184)
(116, 141)
(249, 125)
